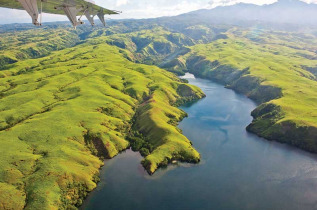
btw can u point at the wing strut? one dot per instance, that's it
(90, 17)
(101, 16)
(70, 7)
(31, 7)
(71, 12)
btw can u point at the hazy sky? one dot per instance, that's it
(136, 8)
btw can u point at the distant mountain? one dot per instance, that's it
(283, 12)
(206, 24)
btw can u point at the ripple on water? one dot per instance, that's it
(238, 170)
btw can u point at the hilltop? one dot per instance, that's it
(63, 113)
(71, 98)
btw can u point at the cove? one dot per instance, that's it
(238, 170)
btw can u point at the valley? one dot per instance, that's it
(238, 170)
(72, 100)
(61, 115)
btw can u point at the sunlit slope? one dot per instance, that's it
(60, 114)
(22, 45)
(273, 69)
(151, 46)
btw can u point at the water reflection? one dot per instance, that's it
(238, 170)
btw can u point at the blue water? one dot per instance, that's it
(238, 170)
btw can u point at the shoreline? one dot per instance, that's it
(252, 127)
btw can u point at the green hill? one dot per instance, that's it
(277, 70)
(63, 113)
(33, 44)
(70, 98)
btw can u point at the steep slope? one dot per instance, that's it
(62, 114)
(273, 69)
(159, 46)
(151, 46)
(15, 46)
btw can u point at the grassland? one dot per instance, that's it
(277, 70)
(151, 46)
(63, 112)
(33, 44)
(60, 115)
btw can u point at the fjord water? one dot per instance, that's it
(238, 170)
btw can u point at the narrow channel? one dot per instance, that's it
(238, 170)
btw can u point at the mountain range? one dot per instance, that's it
(289, 12)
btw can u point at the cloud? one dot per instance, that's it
(21, 16)
(216, 3)
(153, 8)
(121, 2)
(151, 11)
(137, 8)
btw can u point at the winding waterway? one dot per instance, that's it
(238, 170)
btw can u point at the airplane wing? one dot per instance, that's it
(70, 8)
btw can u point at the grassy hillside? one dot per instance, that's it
(62, 114)
(63, 111)
(276, 69)
(33, 44)
(151, 46)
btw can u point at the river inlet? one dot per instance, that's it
(238, 170)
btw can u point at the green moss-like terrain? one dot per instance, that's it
(277, 70)
(70, 98)
(63, 113)
(33, 44)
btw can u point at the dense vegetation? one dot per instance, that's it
(70, 98)
(63, 113)
(277, 70)
(33, 44)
